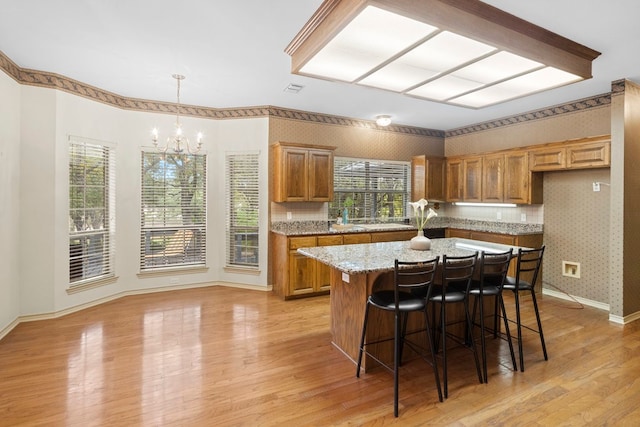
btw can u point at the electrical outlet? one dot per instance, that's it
(596, 186)
(523, 217)
(498, 215)
(571, 269)
(289, 215)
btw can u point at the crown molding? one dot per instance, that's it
(59, 82)
(556, 110)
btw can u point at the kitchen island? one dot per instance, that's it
(356, 269)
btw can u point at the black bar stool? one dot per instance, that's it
(493, 272)
(528, 266)
(455, 282)
(412, 284)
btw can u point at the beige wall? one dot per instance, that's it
(9, 200)
(354, 141)
(576, 219)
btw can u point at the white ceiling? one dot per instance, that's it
(232, 53)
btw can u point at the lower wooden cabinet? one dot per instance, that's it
(296, 276)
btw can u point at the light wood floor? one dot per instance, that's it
(225, 357)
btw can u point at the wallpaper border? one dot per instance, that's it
(56, 81)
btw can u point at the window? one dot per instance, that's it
(371, 190)
(242, 198)
(91, 210)
(173, 231)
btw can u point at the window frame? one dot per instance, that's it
(242, 241)
(363, 203)
(84, 253)
(166, 241)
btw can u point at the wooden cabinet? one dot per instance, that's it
(492, 178)
(323, 271)
(392, 236)
(293, 275)
(593, 155)
(302, 269)
(351, 239)
(547, 159)
(302, 173)
(428, 177)
(581, 154)
(521, 186)
(455, 180)
(472, 184)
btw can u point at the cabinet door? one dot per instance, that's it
(436, 179)
(302, 270)
(492, 178)
(323, 271)
(517, 178)
(472, 168)
(294, 184)
(320, 176)
(392, 236)
(547, 159)
(354, 238)
(597, 154)
(455, 232)
(428, 177)
(418, 178)
(455, 188)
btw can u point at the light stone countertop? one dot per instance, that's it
(301, 228)
(373, 257)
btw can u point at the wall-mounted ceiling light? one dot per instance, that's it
(383, 120)
(462, 52)
(177, 142)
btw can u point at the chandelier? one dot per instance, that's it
(177, 142)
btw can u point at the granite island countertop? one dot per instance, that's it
(302, 228)
(374, 257)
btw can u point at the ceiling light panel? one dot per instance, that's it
(533, 82)
(443, 52)
(497, 67)
(467, 53)
(444, 88)
(362, 46)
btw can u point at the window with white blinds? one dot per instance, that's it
(173, 210)
(242, 201)
(91, 210)
(371, 190)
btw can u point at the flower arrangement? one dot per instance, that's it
(421, 219)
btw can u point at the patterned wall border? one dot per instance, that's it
(571, 107)
(55, 81)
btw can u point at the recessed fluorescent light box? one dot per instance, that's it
(461, 52)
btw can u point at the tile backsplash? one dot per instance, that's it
(305, 211)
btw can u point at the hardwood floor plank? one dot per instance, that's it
(233, 357)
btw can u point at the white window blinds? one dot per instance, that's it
(91, 210)
(173, 210)
(371, 190)
(242, 201)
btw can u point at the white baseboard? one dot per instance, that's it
(584, 301)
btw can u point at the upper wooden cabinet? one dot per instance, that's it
(455, 180)
(428, 176)
(580, 154)
(521, 186)
(493, 178)
(472, 187)
(302, 172)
